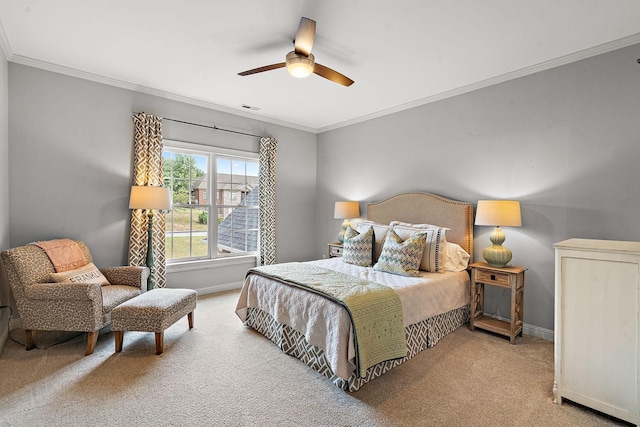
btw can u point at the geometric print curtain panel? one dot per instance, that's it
(267, 200)
(148, 169)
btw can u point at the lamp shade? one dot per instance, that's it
(148, 197)
(499, 213)
(344, 210)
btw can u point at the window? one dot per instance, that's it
(202, 227)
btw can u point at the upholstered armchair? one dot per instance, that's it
(48, 306)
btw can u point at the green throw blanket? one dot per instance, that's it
(375, 309)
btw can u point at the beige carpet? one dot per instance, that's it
(222, 373)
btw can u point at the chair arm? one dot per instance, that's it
(127, 275)
(64, 291)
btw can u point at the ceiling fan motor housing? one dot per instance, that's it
(299, 65)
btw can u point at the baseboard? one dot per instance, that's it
(536, 331)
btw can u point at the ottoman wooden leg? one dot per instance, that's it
(30, 343)
(190, 318)
(159, 342)
(119, 335)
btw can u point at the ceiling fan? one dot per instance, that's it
(300, 62)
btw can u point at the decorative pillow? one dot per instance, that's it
(434, 255)
(87, 274)
(379, 235)
(401, 257)
(457, 258)
(358, 247)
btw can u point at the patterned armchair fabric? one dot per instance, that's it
(84, 307)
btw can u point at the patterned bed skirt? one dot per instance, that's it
(420, 336)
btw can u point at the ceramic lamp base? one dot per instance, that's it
(497, 255)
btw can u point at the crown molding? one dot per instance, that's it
(567, 59)
(72, 72)
(563, 60)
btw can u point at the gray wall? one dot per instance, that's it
(4, 192)
(565, 142)
(70, 167)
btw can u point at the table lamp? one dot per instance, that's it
(150, 198)
(498, 213)
(345, 210)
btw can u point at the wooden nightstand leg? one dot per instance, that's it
(477, 303)
(473, 306)
(514, 311)
(520, 309)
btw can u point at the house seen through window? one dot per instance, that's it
(215, 203)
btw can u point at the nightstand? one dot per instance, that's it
(506, 277)
(335, 250)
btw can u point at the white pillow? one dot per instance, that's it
(379, 235)
(457, 259)
(434, 256)
(421, 226)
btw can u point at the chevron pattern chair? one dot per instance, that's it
(84, 307)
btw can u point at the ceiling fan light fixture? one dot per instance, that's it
(298, 65)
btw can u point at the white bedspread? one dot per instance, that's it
(326, 324)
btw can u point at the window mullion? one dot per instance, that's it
(213, 206)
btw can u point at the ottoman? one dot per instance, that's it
(153, 311)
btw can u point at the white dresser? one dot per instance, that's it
(597, 295)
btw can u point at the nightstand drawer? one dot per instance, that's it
(335, 251)
(494, 278)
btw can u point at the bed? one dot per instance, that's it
(319, 331)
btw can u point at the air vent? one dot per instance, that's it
(249, 107)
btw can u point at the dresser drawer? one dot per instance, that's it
(492, 277)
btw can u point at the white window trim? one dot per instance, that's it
(205, 264)
(220, 261)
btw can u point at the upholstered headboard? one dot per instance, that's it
(426, 208)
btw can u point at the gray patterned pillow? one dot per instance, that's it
(358, 247)
(434, 255)
(401, 257)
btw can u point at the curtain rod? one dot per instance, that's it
(214, 127)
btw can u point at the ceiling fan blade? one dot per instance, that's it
(305, 36)
(332, 75)
(262, 69)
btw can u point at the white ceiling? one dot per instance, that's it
(400, 53)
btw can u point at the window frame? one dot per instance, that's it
(212, 152)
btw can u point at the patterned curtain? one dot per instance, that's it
(267, 194)
(148, 169)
